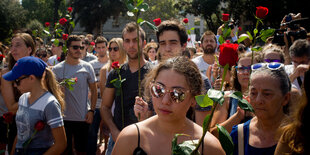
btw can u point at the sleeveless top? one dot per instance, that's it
(140, 151)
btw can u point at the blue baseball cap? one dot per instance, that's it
(26, 66)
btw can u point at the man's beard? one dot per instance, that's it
(208, 50)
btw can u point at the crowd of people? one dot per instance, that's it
(103, 103)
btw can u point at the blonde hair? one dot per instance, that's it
(123, 57)
(53, 87)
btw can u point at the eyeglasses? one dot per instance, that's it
(243, 69)
(176, 94)
(272, 66)
(114, 48)
(272, 60)
(75, 47)
(17, 81)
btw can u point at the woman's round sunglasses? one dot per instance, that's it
(176, 94)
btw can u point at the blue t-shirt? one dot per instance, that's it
(47, 109)
(248, 149)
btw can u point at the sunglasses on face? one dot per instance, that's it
(17, 81)
(176, 94)
(114, 49)
(75, 47)
(243, 69)
(272, 66)
(272, 60)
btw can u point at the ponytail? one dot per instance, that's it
(53, 87)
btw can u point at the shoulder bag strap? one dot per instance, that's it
(240, 140)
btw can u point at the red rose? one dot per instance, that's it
(47, 24)
(69, 9)
(240, 28)
(62, 21)
(227, 41)
(225, 17)
(39, 125)
(8, 117)
(185, 20)
(157, 21)
(75, 79)
(115, 65)
(188, 39)
(92, 43)
(65, 36)
(1, 57)
(261, 12)
(58, 59)
(228, 54)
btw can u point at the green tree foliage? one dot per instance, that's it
(12, 17)
(44, 10)
(93, 14)
(36, 27)
(163, 9)
(277, 10)
(208, 9)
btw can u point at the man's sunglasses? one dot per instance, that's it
(17, 81)
(176, 94)
(272, 66)
(114, 49)
(75, 47)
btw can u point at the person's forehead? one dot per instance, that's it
(76, 42)
(130, 35)
(208, 37)
(169, 35)
(101, 44)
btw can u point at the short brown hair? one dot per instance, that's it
(172, 25)
(73, 38)
(101, 39)
(207, 33)
(131, 27)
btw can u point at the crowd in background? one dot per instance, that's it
(275, 81)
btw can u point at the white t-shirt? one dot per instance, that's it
(52, 61)
(202, 65)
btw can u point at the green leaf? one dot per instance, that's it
(225, 140)
(140, 20)
(117, 84)
(215, 95)
(143, 7)
(250, 36)
(203, 101)
(237, 95)
(153, 27)
(130, 6)
(56, 42)
(72, 24)
(206, 121)
(139, 2)
(245, 105)
(185, 148)
(242, 39)
(242, 103)
(255, 31)
(221, 39)
(130, 14)
(226, 32)
(256, 48)
(188, 31)
(192, 29)
(266, 34)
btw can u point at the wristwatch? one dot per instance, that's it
(93, 111)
